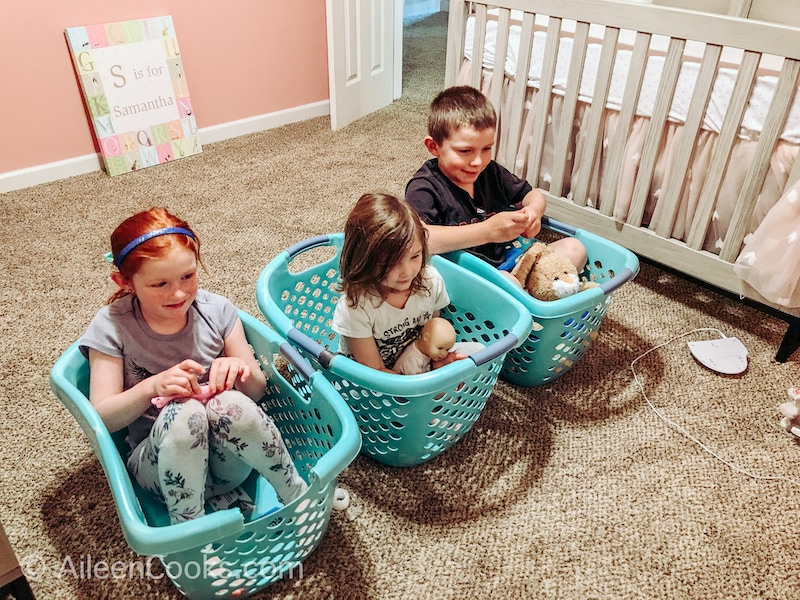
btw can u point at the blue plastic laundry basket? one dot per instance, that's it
(405, 420)
(223, 555)
(562, 329)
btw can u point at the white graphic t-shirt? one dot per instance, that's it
(393, 328)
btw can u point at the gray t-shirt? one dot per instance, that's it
(119, 330)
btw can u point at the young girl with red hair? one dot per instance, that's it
(150, 349)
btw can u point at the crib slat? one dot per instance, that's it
(655, 129)
(517, 91)
(479, 47)
(501, 50)
(544, 99)
(722, 149)
(456, 36)
(675, 183)
(740, 8)
(594, 131)
(617, 142)
(563, 134)
(773, 125)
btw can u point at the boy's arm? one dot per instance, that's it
(533, 206)
(501, 227)
(536, 200)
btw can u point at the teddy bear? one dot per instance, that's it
(547, 275)
(791, 412)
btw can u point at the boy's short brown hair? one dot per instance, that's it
(456, 107)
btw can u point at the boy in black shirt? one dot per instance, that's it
(463, 186)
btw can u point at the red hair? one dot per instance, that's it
(156, 247)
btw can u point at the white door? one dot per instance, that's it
(364, 51)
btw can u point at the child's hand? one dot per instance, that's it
(507, 225)
(451, 357)
(204, 396)
(179, 381)
(224, 373)
(533, 221)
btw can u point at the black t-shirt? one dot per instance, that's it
(438, 201)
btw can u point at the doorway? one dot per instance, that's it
(416, 10)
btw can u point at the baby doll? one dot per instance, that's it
(203, 395)
(434, 343)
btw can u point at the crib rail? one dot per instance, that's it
(562, 158)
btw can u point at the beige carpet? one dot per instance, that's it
(573, 490)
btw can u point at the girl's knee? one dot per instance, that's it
(182, 425)
(233, 411)
(234, 418)
(230, 404)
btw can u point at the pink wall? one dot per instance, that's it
(243, 58)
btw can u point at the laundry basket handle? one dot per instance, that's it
(299, 247)
(612, 284)
(322, 355)
(558, 226)
(296, 359)
(494, 350)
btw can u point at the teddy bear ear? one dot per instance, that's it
(535, 252)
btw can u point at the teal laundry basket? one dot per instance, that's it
(563, 329)
(223, 554)
(405, 420)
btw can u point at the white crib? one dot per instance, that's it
(694, 145)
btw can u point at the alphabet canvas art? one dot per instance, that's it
(132, 79)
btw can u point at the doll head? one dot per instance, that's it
(436, 338)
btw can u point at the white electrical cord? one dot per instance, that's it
(681, 429)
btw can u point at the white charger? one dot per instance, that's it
(726, 355)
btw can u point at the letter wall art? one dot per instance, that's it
(132, 79)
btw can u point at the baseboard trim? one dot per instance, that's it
(23, 178)
(225, 131)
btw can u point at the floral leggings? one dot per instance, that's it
(196, 451)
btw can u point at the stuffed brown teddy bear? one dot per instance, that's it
(547, 275)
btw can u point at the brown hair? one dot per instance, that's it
(379, 231)
(140, 224)
(456, 107)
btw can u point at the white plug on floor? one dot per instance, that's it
(341, 499)
(725, 355)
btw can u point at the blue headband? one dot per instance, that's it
(147, 236)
